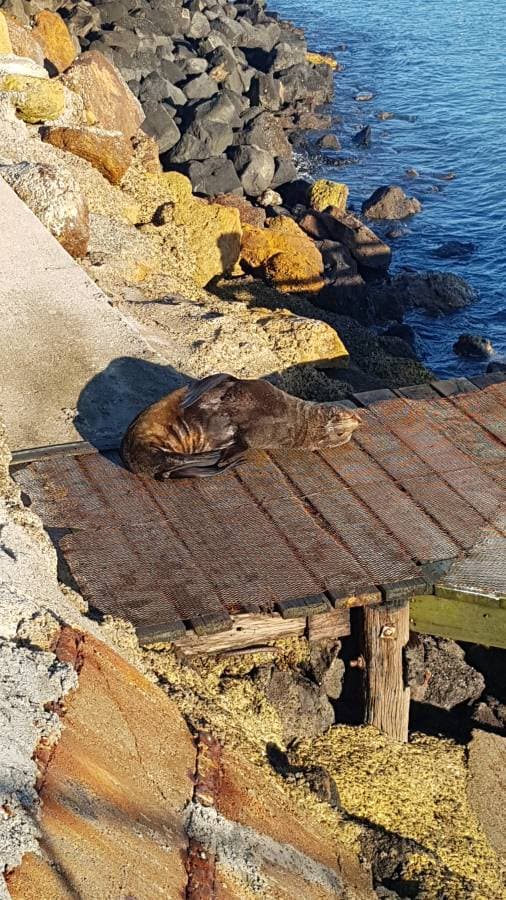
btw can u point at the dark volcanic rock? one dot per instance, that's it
(212, 176)
(160, 125)
(372, 255)
(436, 292)
(285, 172)
(267, 92)
(363, 137)
(266, 133)
(473, 345)
(302, 706)
(498, 365)
(295, 193)
(200, 88)
(442, 677)
(455, 250)
(390, 203)
(202, 142)
(255, 168)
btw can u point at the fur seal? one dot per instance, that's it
(205, 429)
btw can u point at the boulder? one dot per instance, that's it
(18, 65)
(498, 365)
(35, 99)
(108, 151)
(200, 88)
(322, 59)
(156, 87)
(390, 203)
(105, 94)
(266, 91)
(285, 255)
(199, 26)
(442, 677)
(371, 254)
(473, 345)
(159, 124)
(295, 193)
(53, 196)
(23, 42)
(213, 232)
(212, 176)
(327, 668)
(329, 142)
(302, 706)
(5, 39)
(255, 168)
(51, 32)
(436, 292)
(147, 152)
(328, 193)
(249, 214)
(285, 55)
(223, 108)
(201, 141)
(286, 172)
(267, 133)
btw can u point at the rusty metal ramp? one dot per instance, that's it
(289, 534)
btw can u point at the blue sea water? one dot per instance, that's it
(440, 67)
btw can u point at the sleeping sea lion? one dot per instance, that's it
(205, 429)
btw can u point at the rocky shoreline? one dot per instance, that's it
(157, 144)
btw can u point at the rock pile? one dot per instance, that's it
(222, 85)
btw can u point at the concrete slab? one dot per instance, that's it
(72, 366)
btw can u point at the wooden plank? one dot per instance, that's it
(335, 623)
(460, 620)
(385, 634)
(248, 630)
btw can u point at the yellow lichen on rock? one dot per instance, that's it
(5, 41)
(328, 193)
(213, 232)
(416, 791)
(36, 99)
(52, 34)
(285, 254)
(321, 59)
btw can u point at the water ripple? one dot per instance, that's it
(439, 66)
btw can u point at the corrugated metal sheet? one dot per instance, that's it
(420, 483)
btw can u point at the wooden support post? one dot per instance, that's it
(385, 634)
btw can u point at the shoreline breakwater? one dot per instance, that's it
(190, 113)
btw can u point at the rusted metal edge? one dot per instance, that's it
(77, 448)
(200, 863)
(303, 606)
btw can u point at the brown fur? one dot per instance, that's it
(204, 429)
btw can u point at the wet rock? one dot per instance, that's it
(390, 203)
(249, 214)
(436, 292)
(444, 678)
(397, 231)
(383, 115)
(455, 250)
(53, 196)
(255, 168)
(473, 345)
(212, 176)
(498, 365)
(370, 252)
(303, 708)
(329, 142)
(328, 193)
(51, 32)
(363, 137)
(411, 173)
(295, 192)
(400, 330)
(397, 347)
(285, 255)
(105, 94)
(364, 97)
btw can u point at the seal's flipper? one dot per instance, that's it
(201, 471)
(204, 386)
